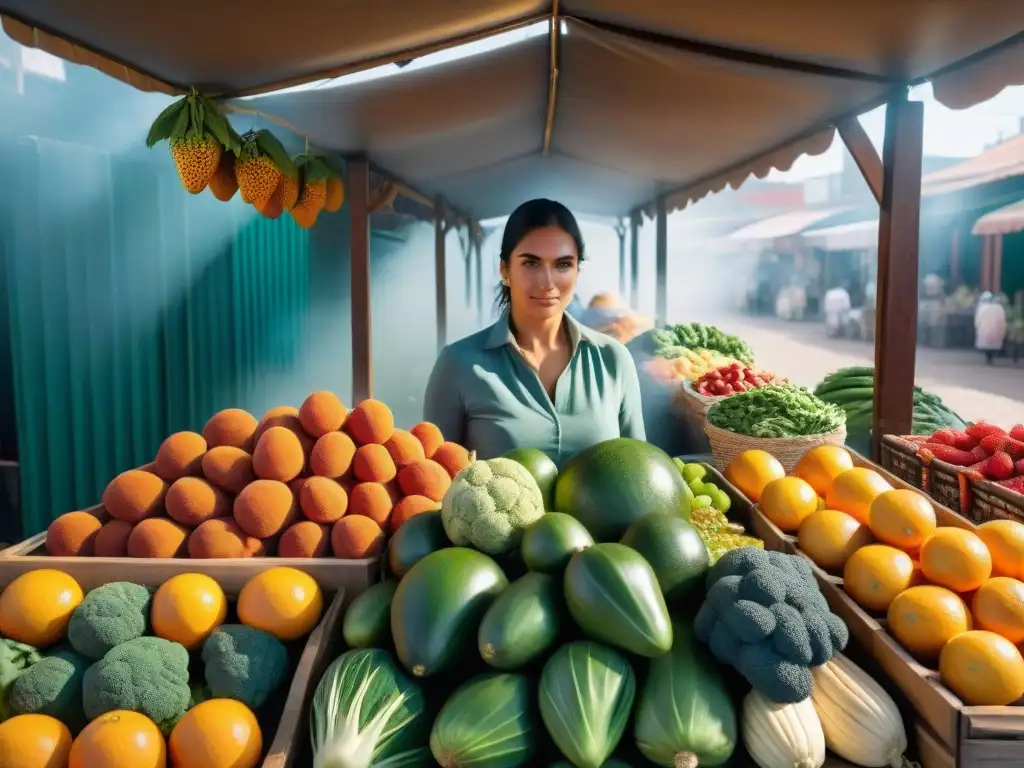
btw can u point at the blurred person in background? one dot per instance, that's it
(989, 326)
(837, 306)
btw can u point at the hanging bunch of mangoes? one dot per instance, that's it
(209, 154)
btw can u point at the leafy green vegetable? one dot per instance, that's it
(777, 410)
(665, 342)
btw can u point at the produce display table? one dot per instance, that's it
(948, 732)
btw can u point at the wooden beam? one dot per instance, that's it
(634, 260)
(440, 276)
(358, 193)
(864, 154)
(898, 257)
(661, 262)
(620, 230)
(553, 57)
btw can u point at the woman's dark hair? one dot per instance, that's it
(531, 215)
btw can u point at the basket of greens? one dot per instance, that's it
(783, 419)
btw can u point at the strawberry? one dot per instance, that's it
(963, 441)
(949, 454)
(999, 466)
(983, 429)
(1018, 467)
(1015, 484)
(979, 453)
(994, 443)
(945, 436)
(1017, 433)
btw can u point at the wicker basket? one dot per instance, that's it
(788, 450)
(695, 404)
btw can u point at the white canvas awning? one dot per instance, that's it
(783, 225)
(855, 236)
(1002, 221)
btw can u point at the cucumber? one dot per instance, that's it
(418, 537)
(522, 623)
(367, 622)
(438, 606)
(550, 542)
(849, 395)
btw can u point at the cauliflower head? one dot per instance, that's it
(489, 505)
(244, 663)
(147, 675)
(109, 615)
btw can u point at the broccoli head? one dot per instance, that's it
(244, 663)
(490, 504)
(109, 615)
(52, 686)
(15, 659)
(765, 615)
(147, 675)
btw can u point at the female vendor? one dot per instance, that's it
(536, 378)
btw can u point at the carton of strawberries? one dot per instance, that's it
(983, 450)
(731, 379)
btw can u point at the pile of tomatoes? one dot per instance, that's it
(730, 379)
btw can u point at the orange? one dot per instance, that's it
(187, 608)
(902, 518)
(823, 464)
(1005, 542)
(219, 733)
(955, 559)
(829, 537)
(788, 501)
(998, 606)
(36, 607)
(853, 491)
(924, 618)
(982, 668)
(752, 470)
(119, 739)
(874, 575)
(34, 741)
(285, 602)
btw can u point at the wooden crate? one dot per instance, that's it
(991, 501)
(899, 457)
(288, 710)
(351, 575)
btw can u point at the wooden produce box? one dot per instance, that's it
(899, 457)
(949, 733)
(991, 501)
(353, 576)
(288, 708)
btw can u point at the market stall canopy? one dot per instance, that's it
(784, 225)
(1002, 161)
(1002, 221)
(647, 97)
(853, 236)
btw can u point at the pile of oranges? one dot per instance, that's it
(951, 595)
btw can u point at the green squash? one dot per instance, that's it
(550, 542)
(438, 606)
(543, 469)
(613, 595)
(586, 694)
(419, 536)
(674, 550)
(614, 483)
(367, 621)
(487, 722)
(522, 623)
(685, 715)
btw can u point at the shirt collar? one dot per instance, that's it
(501, 332)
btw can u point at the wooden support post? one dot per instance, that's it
(358, 193)
(997, 264)
(898, 258)
(661, 262)
(634, 260)
(440, 276)
(954, 262)
(620, 230)
(864, 155)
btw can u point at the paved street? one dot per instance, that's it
(802, 352)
